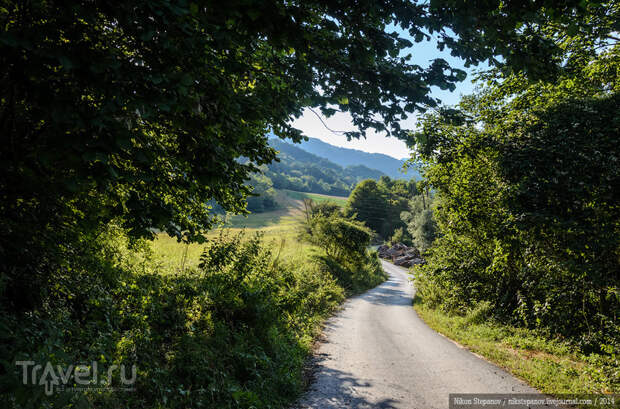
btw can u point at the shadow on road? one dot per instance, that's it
(340, 392)
(385, 295)
(339, 389)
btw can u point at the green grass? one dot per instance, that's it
(174, 256)
(258, 220)
(288, 215)
(551, 366)
(339, 200)
(280, 228)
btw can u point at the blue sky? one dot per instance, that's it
(422, 53)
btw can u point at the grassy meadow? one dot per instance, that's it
(280, 228)
(339, 200)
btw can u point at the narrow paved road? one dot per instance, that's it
(379, 354)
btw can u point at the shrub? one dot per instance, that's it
(340, 238)
(233, 333)
(529, 217)
(345, 254)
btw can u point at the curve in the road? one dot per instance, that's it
(379, 354)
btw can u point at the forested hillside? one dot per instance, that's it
(302, 171)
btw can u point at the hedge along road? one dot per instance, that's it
(378, 353)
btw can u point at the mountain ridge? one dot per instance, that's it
(352, 157)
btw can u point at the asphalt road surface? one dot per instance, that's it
(377, 353)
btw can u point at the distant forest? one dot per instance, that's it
(304, 172)
(344, 157)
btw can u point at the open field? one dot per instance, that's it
(177, 256)
(339, 200)
(280, 227)
(288, 215)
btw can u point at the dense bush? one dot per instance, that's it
(344, 243)
(325, 208)
(529, 206)
(354, 275)
(233, 333)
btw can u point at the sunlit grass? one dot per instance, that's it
(551, 366)
(175, 256)
(339, 200)
(280, 228)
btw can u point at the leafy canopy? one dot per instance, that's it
(526, 176)
(142, 111)
(379, 204)
(141, 108)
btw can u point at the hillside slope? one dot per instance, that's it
(351, 157)
(302, 171)
(287, 216)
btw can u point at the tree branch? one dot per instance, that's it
(325, 125)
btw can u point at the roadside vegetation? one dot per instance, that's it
(525, 266)
(232, 320)
(344, 243)
(551, 365)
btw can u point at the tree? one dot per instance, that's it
(397, 193)
(140, 111)
(526, 177)
(263, 194)
(380, 204)
(368, 203)
(419, 220)
(399, 237)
